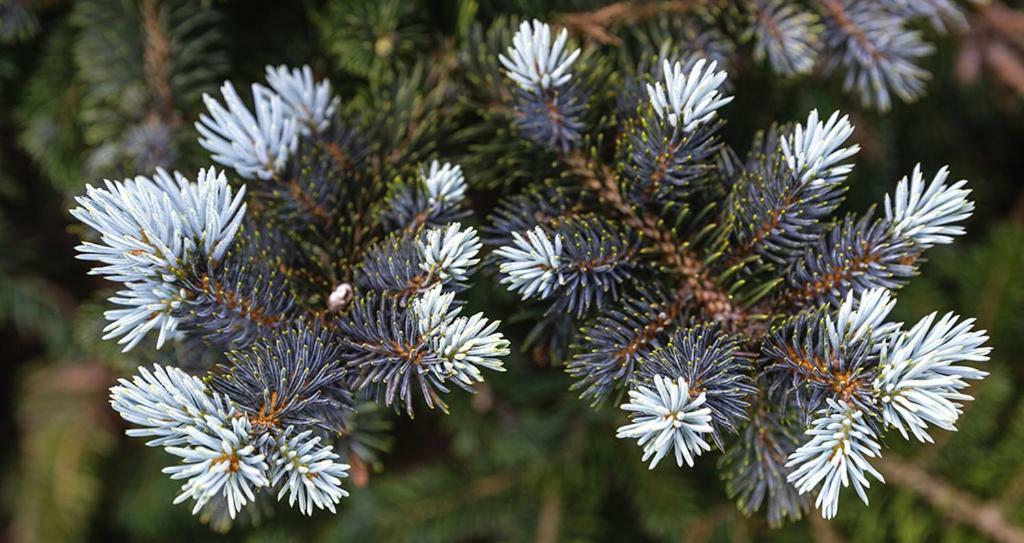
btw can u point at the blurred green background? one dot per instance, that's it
(110, 88)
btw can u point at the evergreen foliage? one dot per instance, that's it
(198, 263)
(769, 301)
(292, 267)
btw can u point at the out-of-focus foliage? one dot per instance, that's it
(522, 460)
(121, 81)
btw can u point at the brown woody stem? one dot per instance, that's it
(696, 284)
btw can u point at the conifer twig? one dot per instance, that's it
(702, 288)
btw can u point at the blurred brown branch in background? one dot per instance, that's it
(66, 432)
(994, 40)
(596, 25)
(957, 505)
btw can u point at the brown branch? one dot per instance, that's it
(549, 517)
(844, 272)
(340, 157)
(1014, 490)
(157, 61)
(418, 283)
(830, 280)
(698, 286)
(308, 204)
(957, 505)
(650, 331)
(842, 19)
(237, 302)
(596, 25)
(765, 229)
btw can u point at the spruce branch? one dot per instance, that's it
(294, 378)
(309, 474)
(301, 293)
(877, 52)
(151, 230)
(256, 146)
(752, 312)
(919, 382)
(690, 99)
(220, 463)
(668, 419)
(711, 363)
(307, 101)
(793, 182)
(695, 279)
(534, 62)
(872, 43)
(397, 347)
(866, 252)
(755, 468)
(786, 36)
(611, 347)
(532, 264)
(837, 454)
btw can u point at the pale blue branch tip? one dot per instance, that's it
(687, 100)
(534, 62)
(668, 417)
(532, 264)
(149, 230)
